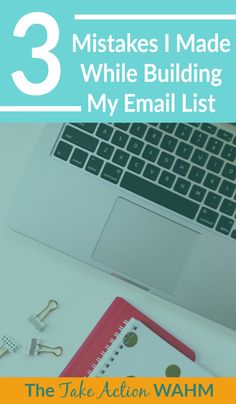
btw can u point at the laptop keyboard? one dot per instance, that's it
(187, 168)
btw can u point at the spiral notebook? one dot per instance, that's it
(137, 351)
(106, 330)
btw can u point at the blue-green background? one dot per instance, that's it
(16, 55)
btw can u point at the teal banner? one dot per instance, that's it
(99, 61)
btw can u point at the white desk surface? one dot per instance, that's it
(31, 274)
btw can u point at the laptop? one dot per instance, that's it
(150, 203)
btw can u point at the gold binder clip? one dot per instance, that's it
(36, 348)
(38, 320)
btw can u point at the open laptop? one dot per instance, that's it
(153, 204)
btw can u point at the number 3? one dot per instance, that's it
(43, 53)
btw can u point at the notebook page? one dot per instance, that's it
(138, 352)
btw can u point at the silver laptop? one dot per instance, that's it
(153, 204)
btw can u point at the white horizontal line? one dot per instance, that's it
(40, 109)
(155, 17)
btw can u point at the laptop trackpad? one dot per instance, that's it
(145, 246)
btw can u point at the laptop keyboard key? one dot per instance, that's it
(212, 200)
(224, 135)
(214, 146)
(228, 207)
(159, 195)
(196, 174)
(207, 217)
(197, 193)
(229, 152)
(212, 181)
(195, 124)
(182, 186)
(198, 138)
(233, 234)
(215, 164)
(181, 167)
(105, 150)
(209, 128)
(111, 173)
(183, 131)
(87, 127)
(153, 136)
(169, 143)
(80, 139)
(168, 127)
(224, 225)
(166, 179)
(124, 126)
(184, 150)
(227, 188)
(138, 129)
(120, 138)
(150, 153)
(229, 171)
(79, 158)
(151, 172)
(135, 146)
(136, 165)
(121, 158)
(199, 157)
(104, 131)
(63, 151)
(166, 160)
(94, 165)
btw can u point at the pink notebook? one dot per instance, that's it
(100, 338)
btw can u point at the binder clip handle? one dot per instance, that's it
(52, 305)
